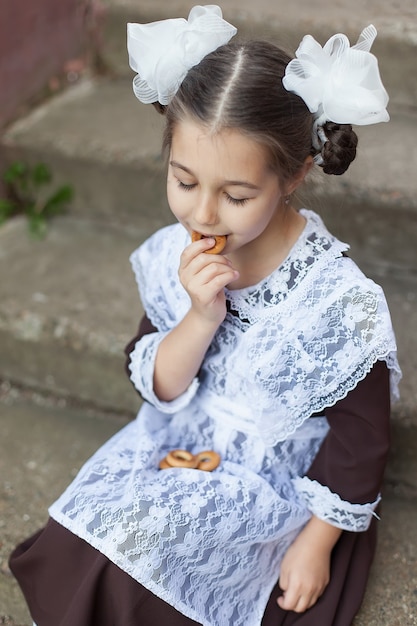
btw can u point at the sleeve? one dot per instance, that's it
(343, 483)
(141, 354)
(145, 327)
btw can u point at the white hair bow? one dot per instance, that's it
(163, 52)
(339, 83)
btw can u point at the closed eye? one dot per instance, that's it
(185, 187)
(229, 198)
(236, 201)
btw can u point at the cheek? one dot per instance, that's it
(257, 219)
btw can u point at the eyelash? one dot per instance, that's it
(230, 200)
(184, 186)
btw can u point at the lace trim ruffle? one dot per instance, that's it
(163, 297)
(329, 506)
(301, 369)
(279, 431)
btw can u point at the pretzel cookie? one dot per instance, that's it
(181, 458)
(218, 246)
(206, 461)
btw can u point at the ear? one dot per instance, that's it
(300, 176)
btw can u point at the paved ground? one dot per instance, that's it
(43, 445)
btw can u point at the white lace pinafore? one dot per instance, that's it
(211, 544)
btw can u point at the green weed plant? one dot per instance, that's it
(28, 193)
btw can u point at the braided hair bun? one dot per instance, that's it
(339, 150)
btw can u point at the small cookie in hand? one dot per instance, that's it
(218, 246)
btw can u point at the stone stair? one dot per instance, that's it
(69, 303)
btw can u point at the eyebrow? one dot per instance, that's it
(237, 183)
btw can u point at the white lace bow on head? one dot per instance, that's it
(338, 83)
(163, 52)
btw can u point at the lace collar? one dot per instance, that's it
(314, 247)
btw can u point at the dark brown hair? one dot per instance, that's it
(239, 86)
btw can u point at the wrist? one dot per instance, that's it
(202, 324)
(180, 355)
(321, 534)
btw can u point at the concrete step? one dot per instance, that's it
(69, 305)
(99, 138)
(285, 24)
(45, 443)
(107, 145)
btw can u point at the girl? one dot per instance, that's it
(273, 357)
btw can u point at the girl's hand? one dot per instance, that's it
(305, 568)
(204, 277)
(305, 573)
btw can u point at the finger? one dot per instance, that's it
(219, 282)
(196, 248)
(302, 605)
(210, 281)
(298, 604)
(313, 601)
(289, 599)
(202, 262)
(303, 602)
(314, 596)
(286, 604)
(283, 586)
(312, 593)
(204, 267)
(211, 270)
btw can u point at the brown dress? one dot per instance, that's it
(66, 582)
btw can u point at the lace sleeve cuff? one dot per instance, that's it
(329, 507)
(142, 363)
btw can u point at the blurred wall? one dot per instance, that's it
(36, 38)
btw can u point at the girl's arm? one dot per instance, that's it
(179, 357)
(181, 353)
(187, 344)
(351, 463)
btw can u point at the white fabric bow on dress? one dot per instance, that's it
(339, 83)
(163, 52)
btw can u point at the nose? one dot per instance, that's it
(206, 211)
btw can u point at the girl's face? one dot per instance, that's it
(221, 184)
